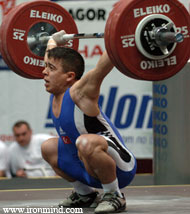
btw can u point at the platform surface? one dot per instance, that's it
(140, 199)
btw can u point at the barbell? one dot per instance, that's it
(145, 40)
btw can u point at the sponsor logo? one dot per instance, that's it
(61, 131)
(44, 15)
(33, 61)
(151, 10)
(90, 14)
(66, 139)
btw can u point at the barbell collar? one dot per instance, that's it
(163, 37)
(171, 37)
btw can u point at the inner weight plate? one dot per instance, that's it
(37, 31)
(146, 41)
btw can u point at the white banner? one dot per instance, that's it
(127, 102)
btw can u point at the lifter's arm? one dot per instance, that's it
(89, 84)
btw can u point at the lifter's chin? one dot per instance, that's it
(47, 89)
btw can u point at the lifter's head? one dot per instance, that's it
(70, 59)
(64, 66)
(22, 133)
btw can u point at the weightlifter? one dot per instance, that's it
(89, 152)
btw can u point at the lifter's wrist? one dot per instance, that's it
(51, 43)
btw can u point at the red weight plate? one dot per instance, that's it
(107, 41)
(2, 44)
(110, 45)
(118, 3)
(108, 32)
(10, 62)
(113, 47)
(39, 17)
(114, 20)
(5, 55)
(130, 15)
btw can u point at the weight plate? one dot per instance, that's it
(3, 45)
(123, 37)
(44, 16)
(110, 47)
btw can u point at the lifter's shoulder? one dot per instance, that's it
(87, 104)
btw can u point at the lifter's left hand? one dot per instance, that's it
(56, 40)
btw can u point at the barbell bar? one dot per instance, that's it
(43, 38)
(160, 35)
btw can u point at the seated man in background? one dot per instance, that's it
(25, 153)
(3, 159)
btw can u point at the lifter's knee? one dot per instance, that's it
(49, 150)
(89, 144)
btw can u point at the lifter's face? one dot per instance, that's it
(56, 80)
(22, 135)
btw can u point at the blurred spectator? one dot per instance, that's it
(3, 159)
(25, 153)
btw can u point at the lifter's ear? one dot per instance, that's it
(71, 76)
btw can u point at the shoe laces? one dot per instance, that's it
(112, 198)
(108, 196)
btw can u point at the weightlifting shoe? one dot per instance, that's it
(111, 203)
(82, 201)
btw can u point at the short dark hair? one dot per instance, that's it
(20, 123)
(71, 59)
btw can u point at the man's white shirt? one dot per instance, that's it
(30, 158)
